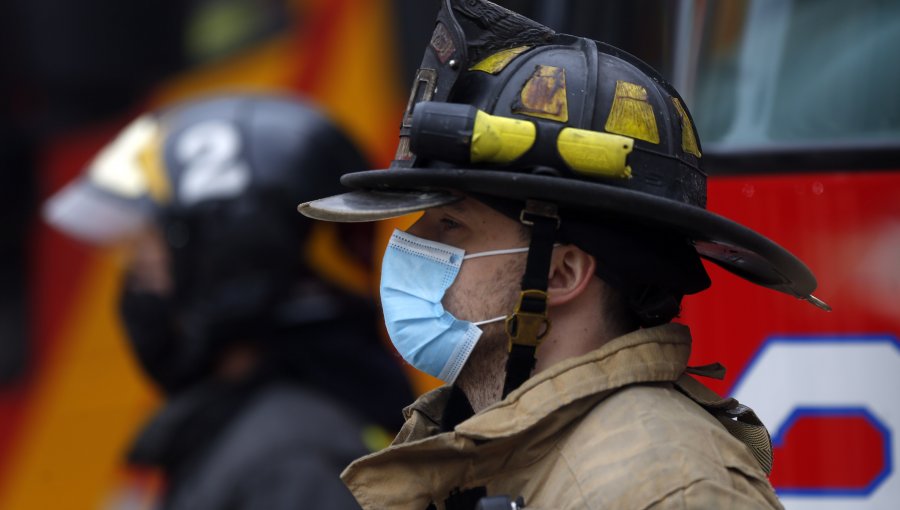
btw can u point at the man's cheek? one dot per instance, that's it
(454, 301)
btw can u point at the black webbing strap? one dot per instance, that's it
(528, 324)
(739, 420)
(519, 365)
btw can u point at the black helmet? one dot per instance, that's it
(505, 107)
(220, 178)
(580, 141)
(223, 149)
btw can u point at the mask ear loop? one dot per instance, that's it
(528, 324)
(507, 251)
(496, 252)
(490, 321)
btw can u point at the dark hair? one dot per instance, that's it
(649, 270)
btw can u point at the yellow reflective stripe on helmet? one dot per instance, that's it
(544, 95)
(595, 154)
(632, 114)
(500, 139)
(116, 168)
(688, 138)
(498, 61)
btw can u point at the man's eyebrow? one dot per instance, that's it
(459, 207)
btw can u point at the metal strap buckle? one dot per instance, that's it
(539, 208)
(528, 328)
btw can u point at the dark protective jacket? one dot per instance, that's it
(621, 427)
(281, 447)
(279, 439)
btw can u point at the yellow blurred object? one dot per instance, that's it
(260, 69)
(376, 438)
(88, 404)
(358, 83)
(115, 169)
(150, 159)
(330, 260)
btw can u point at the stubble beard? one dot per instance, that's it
(482, 377)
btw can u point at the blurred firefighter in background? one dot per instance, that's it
(275, 377)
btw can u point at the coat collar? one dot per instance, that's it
(424, 464)
(648, 355)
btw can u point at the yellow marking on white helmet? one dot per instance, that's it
(632, 114)
(595, 154)
(688, 137)
(150, 161)
(116, 168)
(500, 139)
(544, 95)
(498, 61)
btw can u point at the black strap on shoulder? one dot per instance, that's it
(739, 420)
(528, 324)
(712, 370)
(457, 410)
(464, 499)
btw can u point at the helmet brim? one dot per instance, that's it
(90, 214)
(738, 249)
(374, 205)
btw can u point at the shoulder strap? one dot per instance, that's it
(740, 421)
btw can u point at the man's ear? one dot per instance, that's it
(571, 269)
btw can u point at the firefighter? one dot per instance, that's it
(272, 373)
(564, 220)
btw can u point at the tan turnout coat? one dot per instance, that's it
(607, 430)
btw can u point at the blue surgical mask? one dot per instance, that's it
(415, 274)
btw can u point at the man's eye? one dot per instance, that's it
(448, 224)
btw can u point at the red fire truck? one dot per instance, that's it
(797, 104)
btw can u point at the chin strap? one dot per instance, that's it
(528, 324)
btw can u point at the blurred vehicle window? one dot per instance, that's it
(794, 72)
